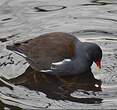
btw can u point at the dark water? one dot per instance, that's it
(91, 20)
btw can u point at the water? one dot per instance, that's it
(90, 20)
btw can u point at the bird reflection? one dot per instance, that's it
(59, 87)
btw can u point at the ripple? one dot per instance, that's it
(9, 37)
(3, 39)
(110, 39)
(98, 3)
(104, 2)
(93, 32)
(10, 63)
(10, 20)
(6, 19)
(110, 19)
(102, 39)
(47, 8)
(112, 11)
(101, 18)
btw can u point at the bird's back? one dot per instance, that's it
(46, 49)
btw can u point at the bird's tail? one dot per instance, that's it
(16, 50)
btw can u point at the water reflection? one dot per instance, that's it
(59, 88)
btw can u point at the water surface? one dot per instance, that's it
(89, 20)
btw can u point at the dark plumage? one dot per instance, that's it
(59, 53)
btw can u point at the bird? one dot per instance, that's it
(59, 53)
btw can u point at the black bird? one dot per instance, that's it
(59, 54)
(59, 65)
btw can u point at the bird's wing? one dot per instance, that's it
(42, 52)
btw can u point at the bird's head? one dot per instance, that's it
(98, 57)
(94, 53)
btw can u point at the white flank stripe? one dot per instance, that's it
(61, 62)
